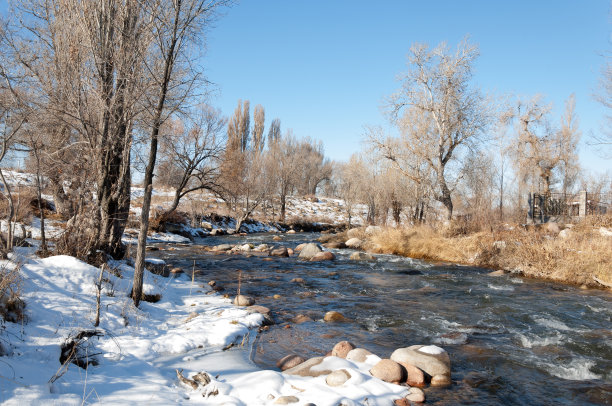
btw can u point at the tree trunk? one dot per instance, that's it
(283, 207)
(63, 206)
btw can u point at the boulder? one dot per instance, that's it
(333, 316)
(299, 247)
(291, 231)
(304, 369)
(354, 243)
(430, 359)
(414, 376)
(258, 309)
(416, 395)
(358, 355)
(342, 349)
(440, 380)
(309, 251)
(338, 377)
(565, 233)
(290, 251)
(279, 252)
(176, 271)
(297, 280)
(388, 371)
(262, 247)
(289, 361)
(361, 256)
(242, 300)
(277, 238)
(323, 256)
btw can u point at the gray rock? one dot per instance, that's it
(338, 377)
(416, 395)
(440, 380)
(309, 251)
(433, 364)
(323, 256)
(222, 247)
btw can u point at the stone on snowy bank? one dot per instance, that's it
(289, 361)
(416, 395)
(338, 377)
(354, 243)
(414, 376)
(285, 400)
(388, 371)
(342, 349)
(305, 368)
(242, 300)
(358, 355)
(430, 359)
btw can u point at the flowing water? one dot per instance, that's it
(511, 341)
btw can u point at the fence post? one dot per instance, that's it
(582, 201)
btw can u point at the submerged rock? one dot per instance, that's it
(361, 256)
(323, 256)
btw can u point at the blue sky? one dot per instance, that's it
(323, 67)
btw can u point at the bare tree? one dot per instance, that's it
(604, 96)
(274, 133)
(439, 110)
(191, 154)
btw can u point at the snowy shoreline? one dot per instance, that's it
(139, 350)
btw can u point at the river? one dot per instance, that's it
(511, 341)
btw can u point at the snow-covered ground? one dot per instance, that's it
(138, 350)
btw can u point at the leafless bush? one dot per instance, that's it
(160, 220)
(12, 307)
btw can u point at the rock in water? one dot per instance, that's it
(440, 380)
(279, 252)
(289, 361)
(309, 250)
(242, 300)
(361, 256)
(338, 377)
(416, 395)
(414, 377)
(333, 316)
(342, 349)
(323, 256)
(431, 359)
(388, 371)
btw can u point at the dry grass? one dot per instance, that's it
(12, 307)
(535, 252)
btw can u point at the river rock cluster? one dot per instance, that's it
(416, 366)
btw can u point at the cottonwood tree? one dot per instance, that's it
(274, 133)
(542, 153)
(175, 26)
(603, 140)
(316, 168)
(439, 111)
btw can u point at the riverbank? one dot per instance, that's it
(573, 254)
(56, 354)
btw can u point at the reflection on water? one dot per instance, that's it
(511, 341)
